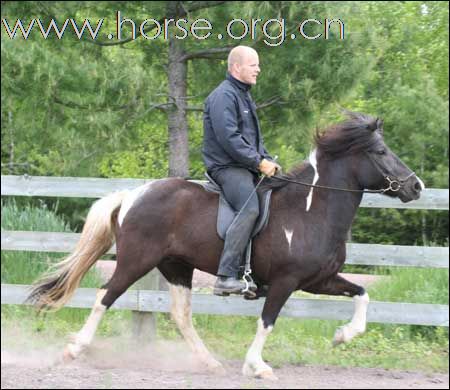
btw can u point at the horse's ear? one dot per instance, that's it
(373, 125)
(377, 124)
(380, 123)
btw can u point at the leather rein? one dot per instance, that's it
(394, 184)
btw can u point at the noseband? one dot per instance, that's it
(394, 184)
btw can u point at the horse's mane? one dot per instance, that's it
(351, 136)
(354, 135)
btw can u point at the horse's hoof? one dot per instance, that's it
(247, 370)
(67, 355)
(72, 337)
(217, 369)
(345, 334)
(336, 343)
(266, 375)
(339, 337)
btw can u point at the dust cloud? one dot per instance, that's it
(26, 348)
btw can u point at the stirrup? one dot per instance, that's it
(246, 291)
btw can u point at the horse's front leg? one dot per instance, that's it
(337, 285)
(279, 291)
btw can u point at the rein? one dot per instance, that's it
(394, 184)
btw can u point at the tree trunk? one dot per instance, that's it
(177, 120)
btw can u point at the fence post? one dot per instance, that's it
(144, 323)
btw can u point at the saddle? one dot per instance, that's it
(226, 213)
(225, 217)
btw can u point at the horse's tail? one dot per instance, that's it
(57, 286)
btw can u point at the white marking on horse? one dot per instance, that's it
(254, 364)
(182, 314)
(421, 183)
(359, 318)
(313, 162)
(288, 234)
(130, 199)
(358, 323)
(84, 337)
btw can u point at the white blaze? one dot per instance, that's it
(313, 162)
(421, 183)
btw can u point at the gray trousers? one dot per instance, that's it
(237, 184)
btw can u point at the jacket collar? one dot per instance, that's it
(242, 86)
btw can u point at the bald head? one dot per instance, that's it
(239, 54)
(243, 64)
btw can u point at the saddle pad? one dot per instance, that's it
(227, 214)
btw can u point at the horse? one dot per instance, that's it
(170, 224)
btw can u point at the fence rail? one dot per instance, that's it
(431, 199)
(361, 254)
(329, 309)
(145, 300)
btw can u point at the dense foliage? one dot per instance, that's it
(74, 107)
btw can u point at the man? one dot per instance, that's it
(234, 154)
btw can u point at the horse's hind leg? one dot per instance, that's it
(84, 337)
(179, 275)
(131, 266)
(337, 285)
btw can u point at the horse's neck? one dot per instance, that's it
(341, 205)
(332, 208)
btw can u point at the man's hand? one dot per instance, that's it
(268, 168)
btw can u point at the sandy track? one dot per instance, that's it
(171, 365)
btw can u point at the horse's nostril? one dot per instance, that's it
(417, 187)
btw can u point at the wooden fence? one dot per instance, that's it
(148, 298)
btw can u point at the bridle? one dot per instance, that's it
(394, 184)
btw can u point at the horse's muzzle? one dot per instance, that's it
(411, 190)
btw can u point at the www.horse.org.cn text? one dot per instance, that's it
(273, 32)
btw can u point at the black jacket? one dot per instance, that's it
(232, 136)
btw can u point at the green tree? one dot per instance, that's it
(133, 108)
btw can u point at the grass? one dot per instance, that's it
(291, 342)
(421, 348)
(309, 342)
(20, 267)
(414, 285)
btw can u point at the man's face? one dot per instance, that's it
(248, 70)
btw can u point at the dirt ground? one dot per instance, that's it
(171, 365)
(116, 363)
(84, 375)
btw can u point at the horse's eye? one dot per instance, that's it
(381, 151)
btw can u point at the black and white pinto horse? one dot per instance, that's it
(171, 224)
